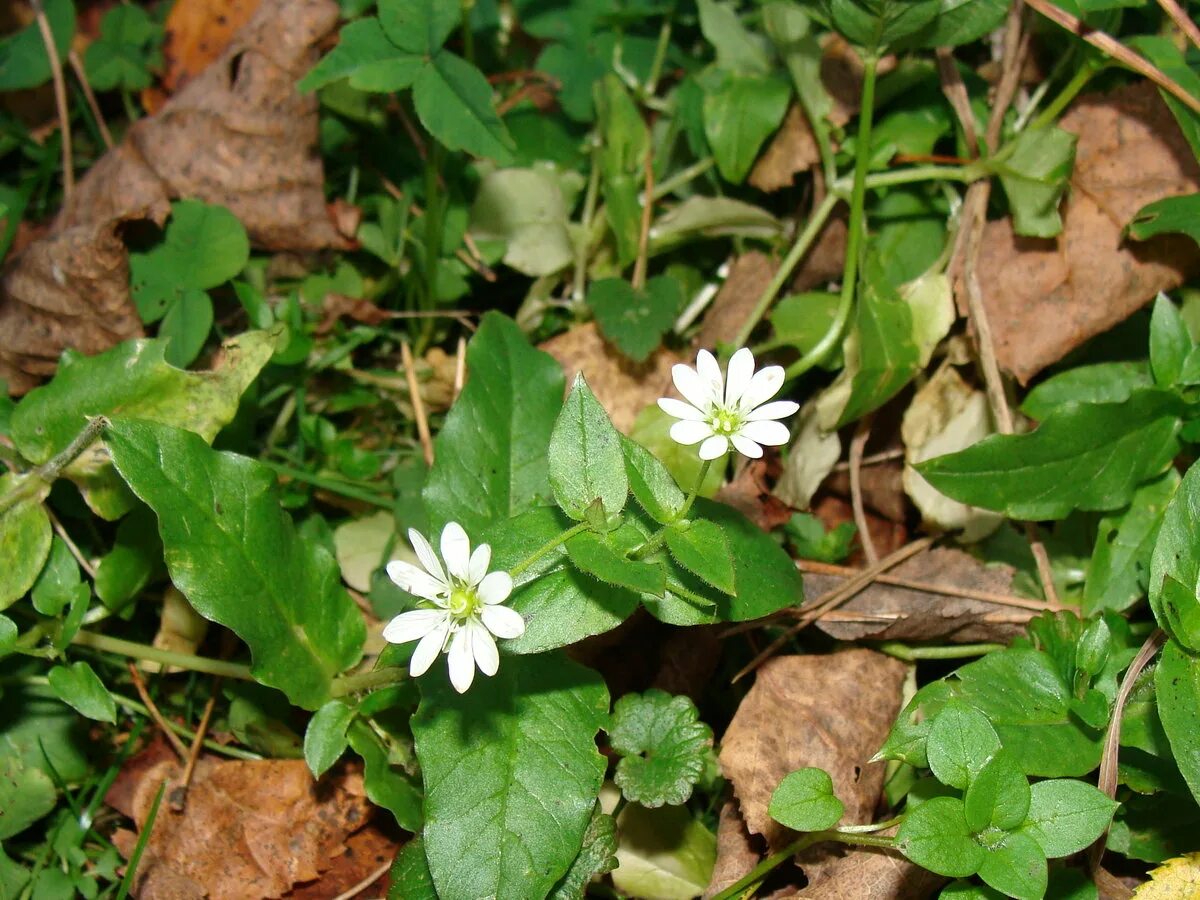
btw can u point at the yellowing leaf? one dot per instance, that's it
(1176, 879)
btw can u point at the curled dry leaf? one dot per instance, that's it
(866, 873)
(737, 854)
(791, 151)
(1046, 297)
(810, 458)
(249, 828)
(748, 277)
(887, 612)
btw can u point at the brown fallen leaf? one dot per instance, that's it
(367, 850)
(249, 829)
(791, 151)
(68, 289)
(750, 494)
(882, 489)
(830, 711)
(687, 659)
(887, 535)
(1046, 297)
(337, 306)
(867, 873)
(737, 854)
(623, 387)
(748, 277)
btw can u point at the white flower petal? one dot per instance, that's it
(680, 410)
(738, 376)
(694, 389)
(710, 375)
(456, 550)
(409, 578)
(745, 446)
(768, 432)
(425, 554)
(502, 621)
(779, 409)
(427, 651)
(495, 588)
(688, 433)
(480, 560)
(483, 645)
(762, 387)
(413, 625)
(462, 660)
(713, 447)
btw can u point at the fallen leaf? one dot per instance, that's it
(886, 534)
(866, 873)
(623, 387)
(748, 277)
(1046, 297)
(791, 151)
(367, 850)
(737, 854)
(829, 711)
(811, 457)
(69, 289)
(358, 309)
(750, 494)
(249, 828)
(887, 612)
(687, 659)
(1176, 879)
(882, 487)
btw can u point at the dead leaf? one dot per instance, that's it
(1046, 297)
(687, 659)
(750, 494)
(366, 851)
(1176, 879)
(823, 262)
(747, 279)
(737, 854)
(830, 711)
(887, 612)
(239, 134)
(249, 829)
(68, 289)
(882, 488)
(867, 873)
(791, 151)
(337, 306)
(623, 387)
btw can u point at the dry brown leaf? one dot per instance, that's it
(68, 289)
(249, 828)
(791, 151)
(888, 612)
(623, 387)
(335, 306)
(866, 873)
(239, 134)
(882, 489)
(1046, 297)
(736, 853)
(687, 659)
(748, 277)
(366, 851)
(887, 535)
(830, 711)
(750, 494)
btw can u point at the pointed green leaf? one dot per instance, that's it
(886, 357)
(651, 484)
(325, 737)
(662, 744)
(409, 874)
(511, 775)
(1171, 215)
(454, 102)
(805, 801)
(236, 556)
(998, 796)
(1175, 564)
(960, 743)
(596, 857)
(78, 686)
(935, 836)
(1177, 686)
(1099, 383)
(594, 555)
(739, 115)
(586, 463)
(25, 538)
(367, 58)
(1170, 342)
(700, 546)
(1065, 816)
(1016, 866)
(1035, 174)
(386, 785)
(419, 26)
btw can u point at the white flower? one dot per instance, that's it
(465, 610)
(731, 409)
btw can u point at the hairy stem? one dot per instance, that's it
(546, 548)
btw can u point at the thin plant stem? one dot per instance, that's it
(90, 96)
(45, 475)
(120, 647)
(328, 484)
(583, 241)
(414, 394)
(354, 683)
(641, 264)
(683, 176)
(1071, 89)
(1182, 20)
(546, 548)
(60, 98)
(953, 651)
(691, 497)
(660, 54)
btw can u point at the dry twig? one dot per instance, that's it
(414, 392)
(60, 99)
(861, 435)
(139, 685)
(90, 96)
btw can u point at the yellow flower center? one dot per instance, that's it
(463, 602)
(725, 422)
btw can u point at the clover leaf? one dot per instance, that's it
(662, 742)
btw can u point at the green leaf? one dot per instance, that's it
(365, 57)
(739, 115)
(1170, 342)
(1119, 571)
(1016, 866)
(805, 801)
(592, 554)
(187, 324)
(59, 582)
(596, 857)
(25, 538)
(559, 603)
(700, 546)
(226, 538)
(1065, 816)
(26, 795)
(78, 686)
(409, 875)
(998, 795)
(135, 559)
(623, 132)
(810, 540)
(135, 380)
(1175, 564)
(121, 55)
(418, 26)
(525, 208)
(325, 738)
(511, 775)
(43, 733)
(1086, 456)
(665, 853)
(711, 217)
(1163, 53)
(1171, 215)
(635, 320)
(13, 877)
(963, 21)
(874, 24)
(652, 429)
(585, 459)
(386, 785)
(454, 102)
(935, 836)
(961, 742)
(24, 62)
(8, 636)
(651, 484)
(1111, 382)
(662, 744)
(491, 452)
(1177, 684)
(802, 320)
(738, 50)
(1035, 175)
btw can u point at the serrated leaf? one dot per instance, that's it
(365, 57)
(1035, 173)
(663, 745)
(491, 451)
(935, 836)
(1065, 816)
(585, 459)
(25, 538)
(594, 555)
(961, 742)
(805, 801)
(26, 795)
(226, 539)
(1177, 686)
(1084, 456)
(739, 115)
(135, 380)
(1112, 382)
(1016, 866)
(1175, 564)
(78, 686)
(418, 26)
(998, 796)
(700, 546)
(635, 320)
(325, 737)
(651, 484)
(596, 857)
(664, 853)
(409, 874)
(454, 102)
(511, 775)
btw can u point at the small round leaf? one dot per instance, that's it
(804, 801)
(961, 741)
(663, 744)
(935, 836)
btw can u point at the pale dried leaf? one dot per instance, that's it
(747, 279)
(810, 458)
(791, 151)
(180, 629)
(866, 873)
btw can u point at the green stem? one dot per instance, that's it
(45, 475)
(955, 651)
(691, 497)
(120, 647)
(1071, 89)
(367, 681)
(546, 548)
(583, 241)
(329, 484)
(185, 733)
(660, 55)
(468, 36)
(682, 177)
(652, 543)
(966, 173)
